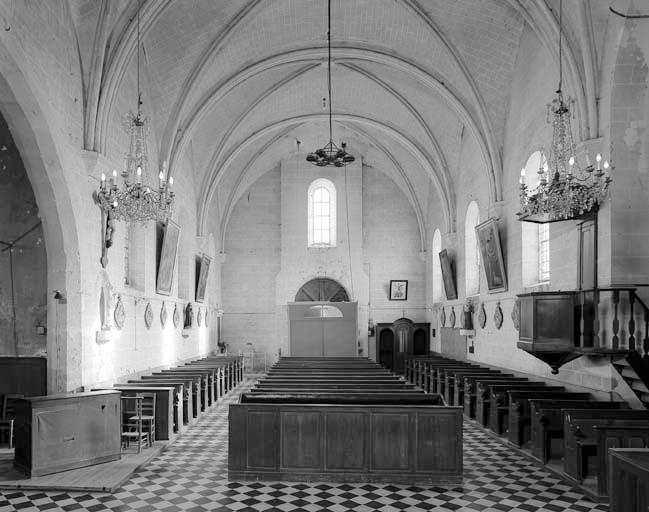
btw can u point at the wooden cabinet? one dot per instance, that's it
(60, 432)
(401, 338)
(549, 327)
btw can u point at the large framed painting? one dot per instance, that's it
(201, 283)
(398, 289)
(492, 255)
(447, 275)
(167, 261)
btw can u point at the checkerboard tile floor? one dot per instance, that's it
(191, 476)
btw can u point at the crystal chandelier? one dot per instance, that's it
(137, 200)
(565, 189)
(330, 154)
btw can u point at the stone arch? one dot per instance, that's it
(28, 124)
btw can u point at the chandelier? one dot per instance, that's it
(138, 199)
(565, 189)
(330, 154)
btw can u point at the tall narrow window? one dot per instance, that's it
(471, 250)
(437, 268)
(544, 253)
(322, 214)
(535, 238)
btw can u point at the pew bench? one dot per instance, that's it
(580, 437)
(628, 476)
(546, 417)
(165, 422)
(519, 431)
(473, 404)
(499, 402)
(621, 434)
(186, 407)
(454, 386)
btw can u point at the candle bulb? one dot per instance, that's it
(598, 158)
(139, 174)
(571, 163)
(171, 180)
(103, 181)
(521, 180)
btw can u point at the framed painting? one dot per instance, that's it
(492, 255)
(447, 275)
(167, 261)
(398, 290)
(201, 283)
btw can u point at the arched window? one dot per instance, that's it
(322, 214)
(437, 268)
(535, 238)
(471, 250)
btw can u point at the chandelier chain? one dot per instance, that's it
(330, 154)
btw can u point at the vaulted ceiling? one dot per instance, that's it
(230, 85)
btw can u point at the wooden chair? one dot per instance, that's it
(7, 416)
(147, 416)
(132, 430)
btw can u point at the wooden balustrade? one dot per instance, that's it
(608, 321)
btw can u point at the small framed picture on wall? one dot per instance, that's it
(398, 290)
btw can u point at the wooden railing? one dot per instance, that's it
(612, 319)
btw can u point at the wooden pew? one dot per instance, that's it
(436, 374)
(621, 434)
(232, 368)
(186, 385)
(454, 382)
(499, 402)
(471, 391)
(483, 394)
(579, 435)
(628, 480)
(520, 412)
(406, 444)
(165, 423)
(203, 382)
(192, 383)
(546, 416)
(220, 379)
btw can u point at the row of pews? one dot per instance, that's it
(55, 433)
(183, 393)
(568, 431)
(342, 419)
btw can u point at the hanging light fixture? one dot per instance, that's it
(330, 154)
(138, 199)
(565, 189)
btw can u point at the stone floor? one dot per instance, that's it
(191, 475)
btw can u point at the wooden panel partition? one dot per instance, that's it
(378, 443)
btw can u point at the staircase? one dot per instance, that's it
(635, 372)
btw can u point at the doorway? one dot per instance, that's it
(322, 329)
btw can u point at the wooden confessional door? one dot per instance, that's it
(322, 329)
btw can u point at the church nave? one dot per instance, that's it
(192, 475)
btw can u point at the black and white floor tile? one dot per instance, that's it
(191, 476)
